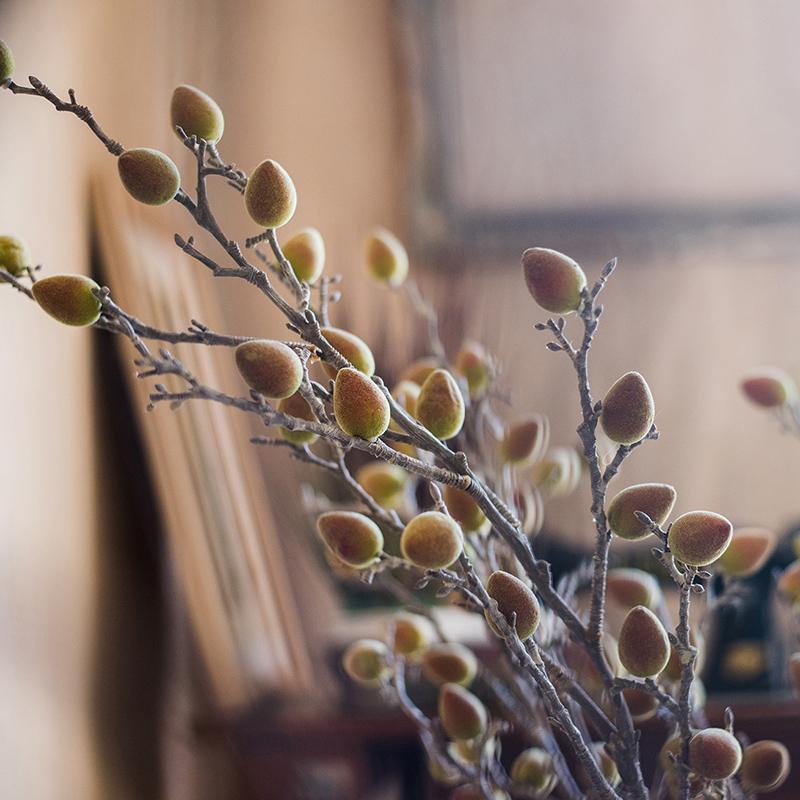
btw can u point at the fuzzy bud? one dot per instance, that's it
(270, 196)
(699, 538)
(472, 362)
(554, 280)
(270, 368)
(515, 597)
(305, 251)
(197, 114)
(641, 704)
(643, 643)
(385, 257)
(384, 483)
(6, 62)
(412, 634)
(366, 661)
(533, 770)
(765, 766)
(14, 255)
(449, 662)
(628, 409)
(68, 298)
(749, 550)
(654, 499)
(297, 406)
(463, 716)
(769, 388)
(464, 509)
(440, 406)
(354, 538)
(417, 371)
(629, 587)
(360, 407)
(149, 176)
(355, 350)
(715, 754)
(525, 440)
(431, 540)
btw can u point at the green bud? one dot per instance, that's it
(654, 499)
(360, 407)
(413, 634)
(431, 540)
(355, 350)
(699, 538)
(385, 257)
(305, 251)
(365, 661)
(354, 538)
(385, 483)
(6, 62)
(629, 587)
(14, 255)
(558, 473)
(440, 406)
(715, 754)
(270, 368)
(197, 114)
(643, 643)
(68, 298)
(525, 440)
(462, 715)
(765, 766)
(628, 409)
(749, 550)
(270, 196)
(533, 770)
(473, 363)
(515, 597)
(149, 176)
(297, 406)
(449, 662)
(769, 388)
(554, 280)
(464, 509)
(417, 371)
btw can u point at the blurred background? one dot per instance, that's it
(663, 134)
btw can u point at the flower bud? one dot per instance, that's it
(654, 499)
(197, 114)
(68, 298)
(533, 770)
(765, 766)
(365, 661)
(789, 581)
(305, 251)
(385, 257)
(628, 410)
(629, 587)
(270, 196)
(405, 395)
(449, 662)
(384, 483)
(360, 407)
(749, 550)
(6, 62)
(525, 440)
(463, 716)
(554, 280)
(355, 350)
(558, 473)
(699, 538)
(642, 705)
(417, 371)
(515, 597)
(715, 754)
(431, 540)
(14, 255)
(413, 633)
(464, 509)
(354, 538)
(529, 507)
(769, 388)
(472, 362)
(149, 176)
(270, 368)
(297, 406)
(440, 406)
(643, 643)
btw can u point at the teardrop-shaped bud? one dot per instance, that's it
(449, 662)
(354, 538)
(14, 255)
(68, 298)
(765, 766)
(366, 661)
(654, 499)
(558, 473)
(297, 406)
(305, 251)
(196, 113)
(462, 714)
(749, 550)
(149, 176)
(355, 350)
(794, 672)
(412, 633)
(699, 538)
(641, 704)
(789, 581)
(533, 770)
(431, 540)
(769, 387)
(629, 587)
(405, 394)
(643, 643)
(464, 509)
(470, 751)
(6, 62)
(628, 409)
(715, 754)
(515, 597)
(554, 280)
(270, 196)
(525, 440)
(385, 483)
(674, 668)
(360, 407)
(474, 364)
(270, 368)
(440, 406)
(417, 371)
(385, 257)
